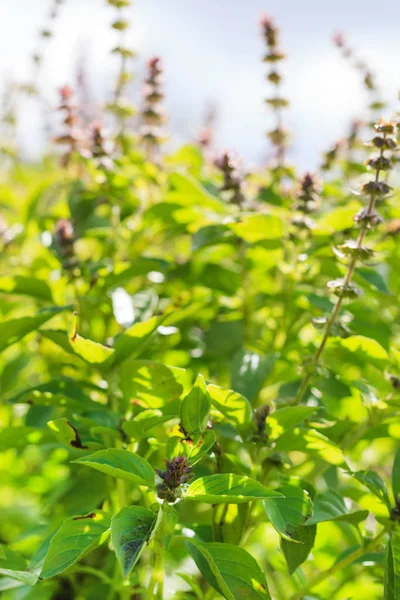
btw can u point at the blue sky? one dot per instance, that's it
(211, 50)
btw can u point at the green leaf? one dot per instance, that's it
(194, 450)
(26, 286)
(249, 371)
(287, 418)
(255, 228)
(228, 488)
(132, 341)
(327, 507)
(396, 475)
(374, 483)
(235, 407)
(139, 427)
(195, 408)
(14, 330)
(313, 443)
(355, 350)
(212, 234)
(66, 433)
(392, 568)
(59, 337)
(58, 392)
(14, 566)
(296, 554)
(287, 514)
(185, 190)
(25, 577)
(92, 352)
(230, 570)
(131, 528)
(74, 539)
(155, 384)
(340, 218)
(330, 506)
(374, 278)
(122, 464)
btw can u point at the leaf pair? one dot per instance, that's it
(215, 489)
(130, 530)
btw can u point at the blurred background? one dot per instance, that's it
(212, 53)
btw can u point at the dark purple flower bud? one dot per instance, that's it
(178, 472)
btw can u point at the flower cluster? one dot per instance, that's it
(307, 201)
(152, 112)
(177, 473)
(367, 218)
(100, 147)
(65, 239)
(70, 137)
(259, 419)
(273, 56)
(233, 183)
(120, 106)
(331, 156)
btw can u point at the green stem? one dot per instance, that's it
(336, 309)
(118, 497)
(246, 309)
(340, 565)
(95, 573)
(156, 585)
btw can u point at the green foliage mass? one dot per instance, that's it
(200, 371)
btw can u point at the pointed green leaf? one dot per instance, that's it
(91, 352)
(58, 392)
(311, 442)
(355, 350)
(139, 427)
(155, 384)
(14, 330)
(194, 450)
(26, 286)
(132, 341)
(330, 506)
(392, 568)
(289, 513)
(76, 537)
(25, 577)
(212, 234)
(186, 190)
(235, 407)
(228, 488)
(374, 483)
(296, 554)
(122, 464)
(195, 408)
(66, 433)
(286, 418)
(130, 532)
(254, 228)
(230, 570)
(14, 566)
